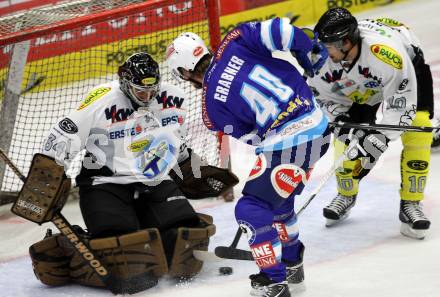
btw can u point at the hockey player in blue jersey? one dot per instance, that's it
(265, 102)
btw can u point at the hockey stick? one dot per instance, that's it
(232, 252)
(113, 283)
(328, 174)
(383, 127)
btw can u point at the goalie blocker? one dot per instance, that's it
(44, 192)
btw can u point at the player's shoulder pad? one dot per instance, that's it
(96, 94)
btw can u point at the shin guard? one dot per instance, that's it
(415, 159)
(347, 185)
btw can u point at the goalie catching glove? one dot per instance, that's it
(197, 179)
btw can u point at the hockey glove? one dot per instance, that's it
(313, 60)
(371, 144)
(339, 131)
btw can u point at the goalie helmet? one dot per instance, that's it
(185, 52)
(139, 78)
(336, 25)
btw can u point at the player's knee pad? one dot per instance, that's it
(183, 264)
(415, 159)
(347, 185)
(50, 261)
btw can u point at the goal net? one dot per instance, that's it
(52, 56)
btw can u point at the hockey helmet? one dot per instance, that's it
(139, 78)
(185, 52)
(337, 24)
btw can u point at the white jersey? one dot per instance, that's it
(383, 73)
(132, 146)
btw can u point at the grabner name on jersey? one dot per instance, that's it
(228, 75)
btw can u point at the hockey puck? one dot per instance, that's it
(226, 270)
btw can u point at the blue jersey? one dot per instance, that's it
(259, 99)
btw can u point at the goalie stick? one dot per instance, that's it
(114, 284)
(231, 252)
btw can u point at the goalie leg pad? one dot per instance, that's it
(44, 192)
(183, 263)
(137, 259)
(50, 262)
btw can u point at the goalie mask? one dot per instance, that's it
(184, 53)
(139, 78)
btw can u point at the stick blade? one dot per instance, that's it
(233, 253)
(206, 256)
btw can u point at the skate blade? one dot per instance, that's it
(406, 230)
(297, 288)
(331, 222)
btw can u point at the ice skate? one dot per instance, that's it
(263, 286)
(339, 209)
(295, 274)
(295, 277)
(414, 221)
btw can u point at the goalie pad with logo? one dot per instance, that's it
(183, 263)
(137, 259)
(198, 180)
(44, 192)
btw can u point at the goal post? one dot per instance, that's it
(51, 57)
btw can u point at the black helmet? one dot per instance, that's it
(139, 78)
(337, 24)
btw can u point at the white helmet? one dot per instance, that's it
(185, 52)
